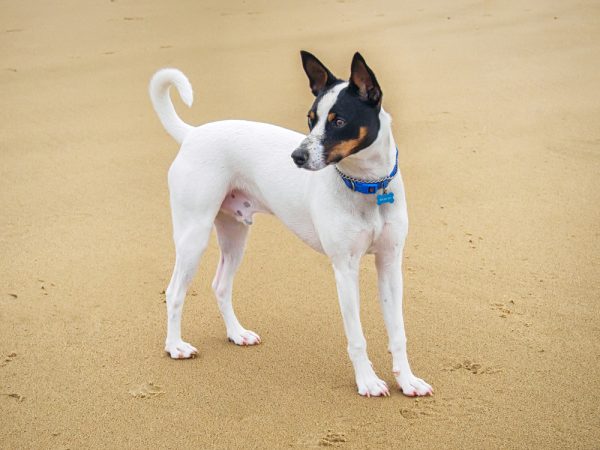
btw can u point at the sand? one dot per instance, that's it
(496, 108)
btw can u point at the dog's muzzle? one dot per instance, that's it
(300, 156)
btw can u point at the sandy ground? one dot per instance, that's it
(497, 112)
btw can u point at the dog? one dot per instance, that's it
(348, 200)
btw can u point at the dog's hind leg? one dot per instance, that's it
(190, 243)
(231, 235)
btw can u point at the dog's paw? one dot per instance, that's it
(369, 384)
(244, 337)
(412, 386)
(180, 350)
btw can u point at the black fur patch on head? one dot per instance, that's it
(355, 126)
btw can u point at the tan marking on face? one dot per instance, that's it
(311, 115)
(330, 117)
(345, 148)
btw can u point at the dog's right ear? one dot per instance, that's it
(318, 75)
(364, 83)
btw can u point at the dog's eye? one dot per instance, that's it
(338, 122)
(310, 123)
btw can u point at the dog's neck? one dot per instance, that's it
(378, 159)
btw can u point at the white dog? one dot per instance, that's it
(350, 201)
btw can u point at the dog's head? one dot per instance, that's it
(344, 118)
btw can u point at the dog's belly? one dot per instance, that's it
(242, 206)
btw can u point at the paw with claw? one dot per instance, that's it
(244, 337)
(369, 384)
(180, 350)
(412, 386)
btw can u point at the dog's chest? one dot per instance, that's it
(373, 224)
(363, 227)
(383, 225)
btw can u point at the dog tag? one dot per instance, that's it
(386, 197)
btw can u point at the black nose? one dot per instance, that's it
(300, 156)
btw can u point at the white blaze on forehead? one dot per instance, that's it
(325, 105)
(313, 142)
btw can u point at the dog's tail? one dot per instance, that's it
(159, 94)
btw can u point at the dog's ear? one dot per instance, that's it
(363, 81)
(318, 75)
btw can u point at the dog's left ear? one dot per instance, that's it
(363, 81)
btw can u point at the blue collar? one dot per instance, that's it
(369, 187)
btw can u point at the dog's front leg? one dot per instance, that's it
(346, 277)
(389, 274)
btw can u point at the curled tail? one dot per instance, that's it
(159, 94)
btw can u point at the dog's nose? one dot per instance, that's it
(300, 156)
